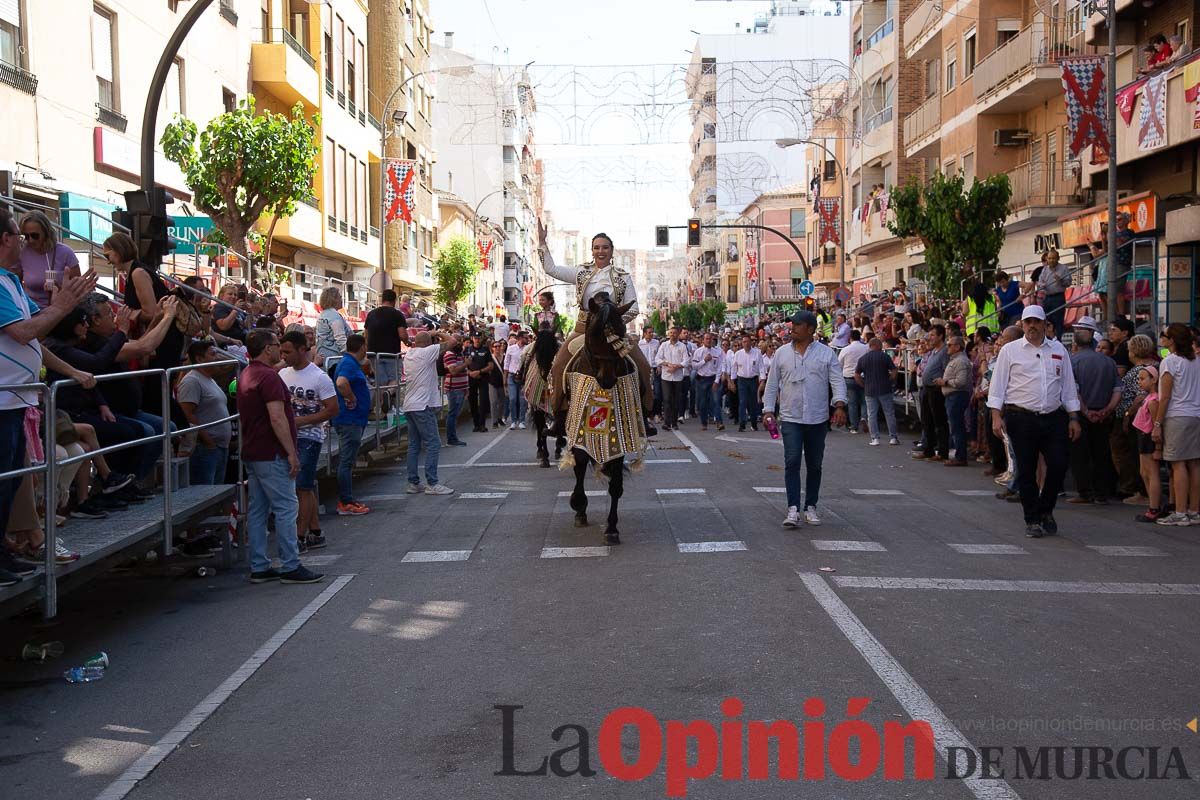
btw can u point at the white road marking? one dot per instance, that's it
(841, 544)
(553, 464)
(680, 491)
(768, 440)
(375, 498)
(912, 697)
(470, 462)
(159, 751)
(989, 549)
(711, 547)
(979, 585)
(1126, 550)
(427, 556)
(483, 495)
(589, 493)
(703, 459)
(872, 492)
(322, 560)
(667, 461)
(575, 552)
(771, 489)
(972, 492)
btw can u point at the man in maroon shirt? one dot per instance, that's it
(268, 430)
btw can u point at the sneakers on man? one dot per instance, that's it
(512, 427)
(520, 426)
(852, 430)
(265, 576)
(1049, 525)
(315, 540)
(62, 554)
(352, 509)
(874, 441)
(459, 442)
(115, 482)
(792, 520)
(1177, 519)
(17, 566)
(894, 440)
(810, 515)
(301, 574)
(1034, 530)
(414, 488)
(88, 509)
(438, 488)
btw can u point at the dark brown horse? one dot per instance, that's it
(613, 407)
(545, 347)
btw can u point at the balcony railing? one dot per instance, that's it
(924, 121)
(329, 86)
(341, 98)
(111, 117)
(373, 231)
(928, 14)
(1040, 44)
(343, 227)
(1040, 185)
(882, 32)
(877, 120)
(291, 42)
(228, 12)
(310, 201)
(18, 78)
(332, 222)
(374, 123)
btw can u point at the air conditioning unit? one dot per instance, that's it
(1009, 137)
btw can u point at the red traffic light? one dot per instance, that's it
(693, 233)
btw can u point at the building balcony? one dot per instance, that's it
(921, 30)
(880, 52)
(879, 137)
(1024, 72)
(1179, 128)
(1042, 193)
(287, 70)
(302, 229)
(923, 129)
(868, 236)
(18, 78)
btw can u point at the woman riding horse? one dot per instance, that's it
(604, 421)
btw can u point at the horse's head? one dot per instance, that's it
(605, 337)
(545, 346)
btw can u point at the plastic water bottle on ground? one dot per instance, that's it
(83, 674)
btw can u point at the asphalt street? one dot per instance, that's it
(919, 592)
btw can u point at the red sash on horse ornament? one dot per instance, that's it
(1083, 78)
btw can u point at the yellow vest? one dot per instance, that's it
(826, 327)
(976, 320)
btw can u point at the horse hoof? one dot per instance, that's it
(612, 537)
(544, 463)
(581, 520)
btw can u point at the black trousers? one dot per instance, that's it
(1091, 460)
(672, 402)
(995, 446)
(1035, 435)
(935, 424)
(480, 403)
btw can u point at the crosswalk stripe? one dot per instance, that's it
(840, 544)
(985, 585)
(375, 498)
(483, 495)
(770, 489)
(679, 491)
(1127, 550)
(575, 552)
(427, 556)
(989, 549)
(589, 493)
(872, 492)
(323, 560)
(972, 492)
(711, 547)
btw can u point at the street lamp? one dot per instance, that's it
(398, 116)
(785, 143)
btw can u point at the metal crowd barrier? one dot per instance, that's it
(51, 466)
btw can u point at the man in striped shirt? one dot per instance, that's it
(456, 389)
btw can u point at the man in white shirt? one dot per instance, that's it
(500, 329)
(649, 345)
(314, 403)
(803, 377)
(422, 401)
(706, 361)
(1033, 398)
(516, 400)
(688, 406)
(745, 366)
(855, 398)
(673, 362)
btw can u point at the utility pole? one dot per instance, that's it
(1115, 282)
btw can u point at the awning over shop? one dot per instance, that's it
(1086, 226)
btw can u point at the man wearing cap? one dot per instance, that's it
(1034, 399)
(802, 378)
(1099, 393)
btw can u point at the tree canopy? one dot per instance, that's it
(455, 270)
(962, 228)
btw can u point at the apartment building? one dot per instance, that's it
(73, 88)
(749, 88)
(885, 87)
(825, 158)
(457, 219)
(487, 154)
(400, 103)
(780, 273)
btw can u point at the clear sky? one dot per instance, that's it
(610, 181)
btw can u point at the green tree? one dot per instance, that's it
(455, 270)
(712, 311)
(244, 165)
(657, 322)
(689, 316)
(962, 229)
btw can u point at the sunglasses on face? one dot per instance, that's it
(33, 236)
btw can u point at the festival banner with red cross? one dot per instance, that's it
(527, 291)
(399, 193)
(828, 211)
(751, 265)
(1084, 80)
(485, 252)
(1152, 124)
(885, 199)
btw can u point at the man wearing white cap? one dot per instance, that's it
(1034, 399)
(1099, 393)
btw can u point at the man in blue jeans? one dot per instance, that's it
(803, 376)
(267, 426)
(422, 403)
(456, 386)
(354, 406)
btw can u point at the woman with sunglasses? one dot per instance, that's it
(44, 259)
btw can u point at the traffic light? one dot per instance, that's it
(810, 304)
(693, 233)
(662, 236)
(146, 217)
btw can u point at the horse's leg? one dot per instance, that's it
(539, 422)
(579, 496)
(616, 487)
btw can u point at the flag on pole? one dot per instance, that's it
(399, 193)
(828, 210)
(1083, 80)
(1152, 124)
(1127, 99)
